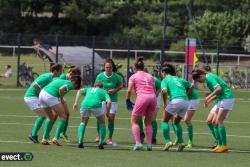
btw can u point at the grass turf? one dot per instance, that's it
(16, 122)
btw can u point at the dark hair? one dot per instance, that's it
(56, 67)
(139, 65)
(169, 69)
(114, 68)
(98, 84)
(207, 68)
(75, 71)
(196, 74)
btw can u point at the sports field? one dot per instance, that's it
(16, 122)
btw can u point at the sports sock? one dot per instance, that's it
(47, 129)
(97, 126)
(211, 127)
(190, 132)
(223, 135)
(81, 132)
(217, 136)
(37, 125)
(155, 128)
(149, 133)
(110, 129)
(140, 123)
(65, 127)
(165, 131)
(179, 132)
(60, 126)
(102, 133)
(136, 133)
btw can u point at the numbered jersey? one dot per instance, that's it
(93, 98)
(143, 82)
(175, 87)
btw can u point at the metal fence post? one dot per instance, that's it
(56, 40)
(93, 60)
(18, 58)
(128, 62)
(217, 58)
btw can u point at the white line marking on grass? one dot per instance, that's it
(158, 148)
(30, 116)
(126, 129)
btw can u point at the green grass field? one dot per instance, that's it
(16, 122)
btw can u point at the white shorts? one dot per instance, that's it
(193, 104)
(226, 104)
(32, 102)
(46, 100)
(85, 113)
(158, 101)
(177, 107)
(113, 108)
(213, 110)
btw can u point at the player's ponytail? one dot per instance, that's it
(139, 64)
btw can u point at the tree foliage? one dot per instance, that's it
(138, 20)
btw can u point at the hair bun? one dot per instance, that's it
(140, 58)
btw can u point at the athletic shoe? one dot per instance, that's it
(213, 150)
(153, 140)
(80, 145)
(180, 147)
(138, 147)
(142, 137)
(34, 139)
(54, 141)
(65, 138)
(109, 141)
(45, 142)
(100, 146)
(149, 147)
(167, 146)
(190, 144)
(97, 138)
(214, 145)
(175, 142)
(222, 149)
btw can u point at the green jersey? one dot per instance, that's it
(93, 98)
(110, 82)
(193, 95)
(63, 76)
(54, 87)
(213, 81)
(175, 87)
(41, 81)
(157, 83)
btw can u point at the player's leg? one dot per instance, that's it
(81, 129)
(111, 122)
(187, 119)
(166, 116)
(63, 134)
(33, 104)
(59, 109)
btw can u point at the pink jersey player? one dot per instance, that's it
(145, 103)
(143, 84)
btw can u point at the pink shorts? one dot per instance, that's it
(145, 104)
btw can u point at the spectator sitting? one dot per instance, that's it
(8, 73)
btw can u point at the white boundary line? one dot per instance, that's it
(30, 116)
(155, 148)
(126, 129)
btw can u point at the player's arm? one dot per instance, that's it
(37, 88)
(213, 94)
(76, 99)
(62, 91)
(206, 103)
(164, 93)
(108, 104)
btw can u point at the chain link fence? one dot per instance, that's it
(27, 62)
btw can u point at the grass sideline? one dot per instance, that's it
(16, 121)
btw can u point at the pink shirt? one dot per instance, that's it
(143, 83)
